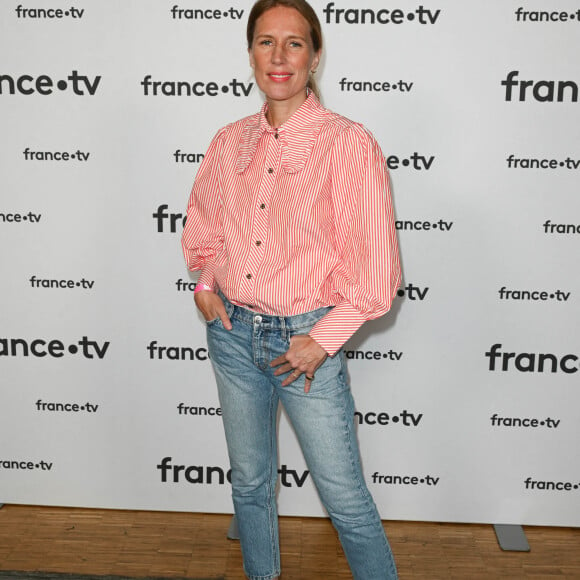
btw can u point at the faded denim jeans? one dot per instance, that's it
(323, 420)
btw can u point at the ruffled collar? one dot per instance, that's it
(296, 136)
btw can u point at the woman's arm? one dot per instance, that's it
(369, 272)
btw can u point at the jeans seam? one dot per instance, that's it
(350, 435)
(271, 490)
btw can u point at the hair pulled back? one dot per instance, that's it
(307, 13)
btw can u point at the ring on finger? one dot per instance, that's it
(309, 378)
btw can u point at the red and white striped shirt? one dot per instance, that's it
(287, 220)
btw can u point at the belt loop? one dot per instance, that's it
(283, 327)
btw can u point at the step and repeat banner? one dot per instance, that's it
(467, 392)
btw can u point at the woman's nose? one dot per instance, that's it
(278, 54)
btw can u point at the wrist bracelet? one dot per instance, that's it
(200, 287)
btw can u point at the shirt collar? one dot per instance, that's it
(296, 136)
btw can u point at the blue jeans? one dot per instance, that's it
(323, 420)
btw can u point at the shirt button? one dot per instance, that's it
(275, 135)
(258, 243)
(263, 206)
(248, 276)
(270, 170)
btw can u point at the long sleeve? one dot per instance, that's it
(203, 237)
(369, 272)
(287, 220)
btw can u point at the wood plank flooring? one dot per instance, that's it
(130, 543)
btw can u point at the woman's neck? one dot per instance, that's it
(280, 111)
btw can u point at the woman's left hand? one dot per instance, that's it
(305, 355)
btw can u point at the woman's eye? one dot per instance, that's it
(266, 42)
(295, 44)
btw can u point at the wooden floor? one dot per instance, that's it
(128, 543)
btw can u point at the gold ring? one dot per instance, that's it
(309, 378)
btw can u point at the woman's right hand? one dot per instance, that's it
(211, 307)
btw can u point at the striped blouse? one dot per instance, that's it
(286, 220)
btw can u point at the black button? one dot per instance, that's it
(275, 135)
(258, 243)
(270, 170)
(263, 206)
(248, 276)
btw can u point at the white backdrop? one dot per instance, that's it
(467, 392)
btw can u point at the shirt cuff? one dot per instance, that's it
(206, 276)
(336, 327)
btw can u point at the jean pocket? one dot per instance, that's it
(217, 321)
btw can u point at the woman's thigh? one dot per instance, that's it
(248, 401)
(323, 420)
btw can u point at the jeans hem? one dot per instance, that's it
(267, 577)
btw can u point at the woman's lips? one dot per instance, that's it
(279, 77)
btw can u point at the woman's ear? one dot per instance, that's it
(316, 61)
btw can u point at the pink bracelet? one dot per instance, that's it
(200, 287)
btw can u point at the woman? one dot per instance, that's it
(291, 224)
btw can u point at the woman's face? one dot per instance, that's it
(282, 55)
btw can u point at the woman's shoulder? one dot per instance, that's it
(238, 127)
(347, 131)
(344, 125)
